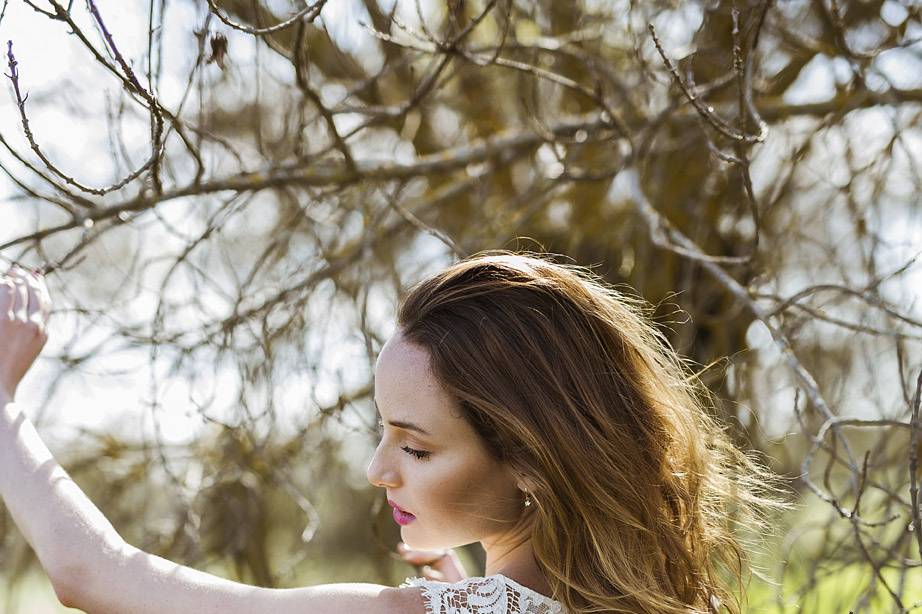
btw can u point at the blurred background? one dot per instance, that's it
(230, 197)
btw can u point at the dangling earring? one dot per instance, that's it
(527, 499)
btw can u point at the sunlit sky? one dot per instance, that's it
(67, 112)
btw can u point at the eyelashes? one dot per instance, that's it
(418, 454)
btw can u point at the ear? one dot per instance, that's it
(525, 484)
(521, 482)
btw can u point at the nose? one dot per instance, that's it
(379, 473)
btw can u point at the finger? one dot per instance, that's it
(432, 574)
(36, 309)
(38, 287)
(422, 557)
(452, 567)
(416, 558)
(44, 296)
(7, 297)
(22, 298)
(405, 549)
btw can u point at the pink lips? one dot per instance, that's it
(400, 516)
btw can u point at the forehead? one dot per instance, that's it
(406, 389)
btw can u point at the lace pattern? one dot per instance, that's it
(494, 594)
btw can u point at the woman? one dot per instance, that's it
(524, 405)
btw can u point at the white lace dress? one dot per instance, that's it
(494, 594)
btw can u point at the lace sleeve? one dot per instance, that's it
(471, 596)
(479, 595)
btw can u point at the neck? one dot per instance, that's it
(512, 556)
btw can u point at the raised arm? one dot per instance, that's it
(90, 566)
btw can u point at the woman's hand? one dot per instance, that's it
(441, 565)
(24, 309)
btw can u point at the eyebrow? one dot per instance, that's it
(403, 425)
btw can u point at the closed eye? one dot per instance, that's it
(419, 454)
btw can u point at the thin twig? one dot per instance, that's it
(914, 442)
(153, 104)
(21, 104)
(705, 111)
(308, 14)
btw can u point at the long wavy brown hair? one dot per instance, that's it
(638, 493)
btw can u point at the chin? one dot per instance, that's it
(421, 544)
(424, 543)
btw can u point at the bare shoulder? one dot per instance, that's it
(338, 598)
(354, 598)
(408, 599)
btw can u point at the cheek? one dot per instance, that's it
(443, 483)
(476, 489)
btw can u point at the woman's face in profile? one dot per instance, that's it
(431, 461)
